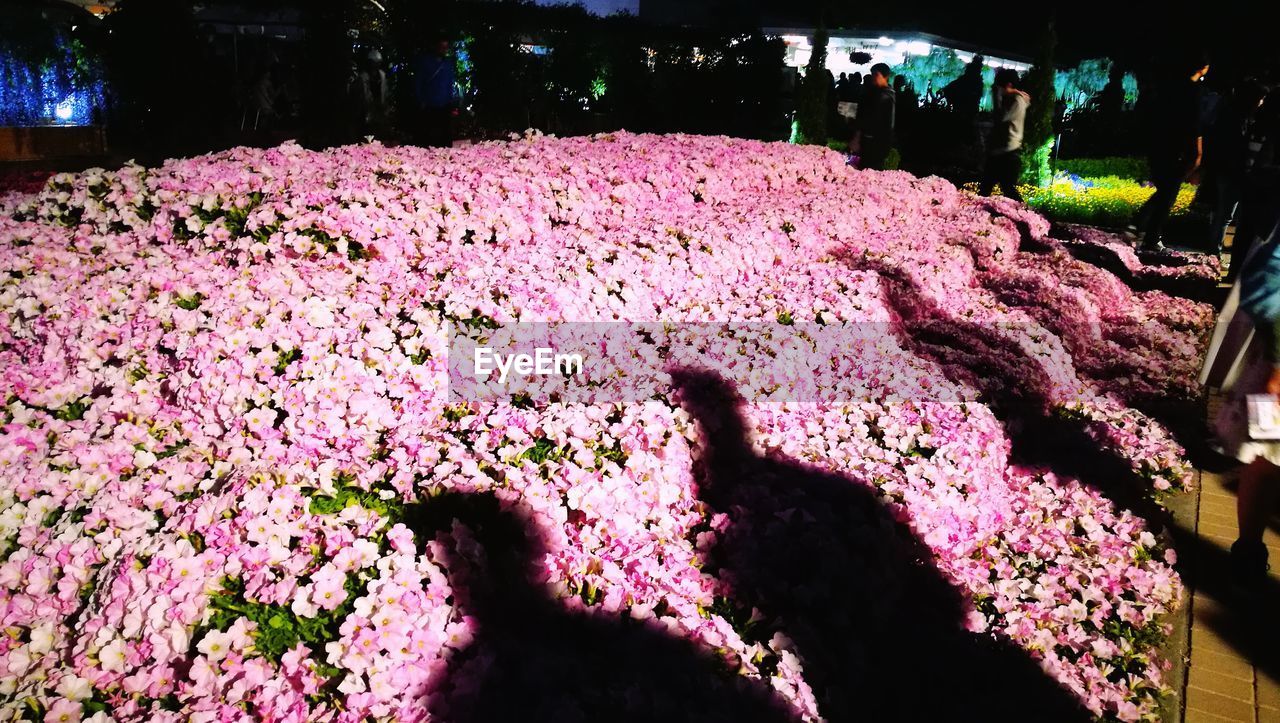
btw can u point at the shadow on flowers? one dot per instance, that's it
(533, 659)
(986, 357)
(970, 353)
(880, 632)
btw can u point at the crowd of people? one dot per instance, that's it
(871, 108)
(1223, 139)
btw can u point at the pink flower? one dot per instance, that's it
(63, 711)
(329, 591)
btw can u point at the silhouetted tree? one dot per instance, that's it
(811, 114)
(1037, 141)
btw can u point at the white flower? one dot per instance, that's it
(42, 639)
(317, 313)
(142, 459)
(179, 637)
(112, 656)
(215, 645)
(74, 687)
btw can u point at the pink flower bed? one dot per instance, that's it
(225, 377)
(1181, 265)
(19, 182)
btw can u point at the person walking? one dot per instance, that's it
(1245, 360)
(1226, 156)
(1177, 147)
(434, 83)
(876, 113)
(1004, 149)
(367, 96)
(1257, 215)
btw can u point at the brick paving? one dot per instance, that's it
(1223, 682)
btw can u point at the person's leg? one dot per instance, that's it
(1255, 501)
(437, 128)
(990, 175)
(1143, 217)
(1139, 224)
(1247, 222)
(1011, 173)
(1258, 215)
(1226, 197)
(1256, 498)
(874, 154)
(1162, 201)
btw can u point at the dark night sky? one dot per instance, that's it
(602, 7)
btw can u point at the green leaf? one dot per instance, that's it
(356, 251)
(457, 413)
(543, 449)
(73, 412)
(286, 357)
(51, 518)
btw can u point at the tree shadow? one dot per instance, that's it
(880, 631)
(533, 659)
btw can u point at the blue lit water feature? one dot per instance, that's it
(65, 88)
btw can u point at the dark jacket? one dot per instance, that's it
(433, 81)
(876, 114)
(1173, 124)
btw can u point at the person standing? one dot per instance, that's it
(1177, 147)
(367, 96)
(1254, 302)
(874, 138)
(853, 88)
(434, 83)
(1004, 148)
(1226, 156)
(1110, 101)
(964, 95)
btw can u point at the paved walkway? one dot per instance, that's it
(1222, 683)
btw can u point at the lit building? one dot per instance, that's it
(892, 48)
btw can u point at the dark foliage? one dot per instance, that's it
(562, 70)
(1039, 134)
(811, 115)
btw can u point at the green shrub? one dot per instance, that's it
(1134, 169)
(893, 161)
